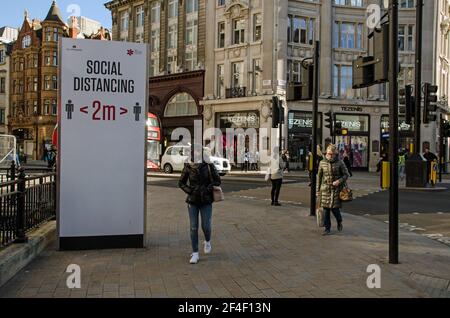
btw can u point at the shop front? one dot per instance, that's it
(355, 144)
(240, 134)
(406, 135)
(300, 137)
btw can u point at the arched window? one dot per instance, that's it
(181, 105)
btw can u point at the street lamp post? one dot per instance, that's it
(314, 129)
(393, 132)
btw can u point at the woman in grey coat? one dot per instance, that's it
(332, 176)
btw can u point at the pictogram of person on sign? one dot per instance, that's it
(70, 109)
(137, 111)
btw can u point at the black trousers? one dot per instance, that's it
(276, 188)
(337, 214)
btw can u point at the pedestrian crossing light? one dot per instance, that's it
(275, 112)
(446, 129)
(302, 90)
(338, 131)
(430, 103)
(329, 120)
(407, 103)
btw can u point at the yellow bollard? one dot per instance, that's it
(385, 175)
(310, 166)
(433, 173)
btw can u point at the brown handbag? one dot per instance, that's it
(217, 192)
(346, 194)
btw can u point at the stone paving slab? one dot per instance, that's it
(258, 251)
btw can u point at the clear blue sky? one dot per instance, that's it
(13, 10)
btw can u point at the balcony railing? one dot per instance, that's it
(236, 92)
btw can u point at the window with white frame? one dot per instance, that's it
(348, 35)
(155, 15)
(300, 30)
(154, 42)
(173, 36)
(140, 17)
(221, 35)
(220, 81)
(181, 105)
(191, 32)
(239, 31)
(173, 8)
(257, 27)
(342, 81)
(237, 79)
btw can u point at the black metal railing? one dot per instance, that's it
(236, 92)
(10, 174)
(25, 203)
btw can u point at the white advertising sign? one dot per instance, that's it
(102, 133)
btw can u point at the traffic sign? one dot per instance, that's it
(102, 134)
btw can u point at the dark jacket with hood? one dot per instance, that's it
(197, 181)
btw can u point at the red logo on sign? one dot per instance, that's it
(130, 52)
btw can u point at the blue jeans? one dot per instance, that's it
(206, 214)
(327, 221)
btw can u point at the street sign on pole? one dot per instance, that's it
(102, 133)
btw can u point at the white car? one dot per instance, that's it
(175, 157)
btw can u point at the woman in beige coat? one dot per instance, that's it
(332, 176)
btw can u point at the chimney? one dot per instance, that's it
(102, 33)
(73, 29)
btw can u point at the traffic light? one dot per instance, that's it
(307, 90)
(445, 126)
(430, 103)
(371, 70)
(338, 129)
(281, 112)
(329, 120)
(363, 72)
(407, 103)
(302, 90)
(381, 54)
(275, 112)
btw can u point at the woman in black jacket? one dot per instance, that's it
(197, 181)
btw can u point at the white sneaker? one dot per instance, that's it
(208, 247)
(194, 258)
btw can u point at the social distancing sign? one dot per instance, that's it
(102, 134)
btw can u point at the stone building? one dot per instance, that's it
(5, 51)
(34, 80)
(175, 31)
(255, 49)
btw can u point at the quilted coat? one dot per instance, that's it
(330, 171)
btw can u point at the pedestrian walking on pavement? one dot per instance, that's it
(348, 164)
(276, 177)
(285, 157)
(332, 177)
(197, 181)
(402, 165)
(246, 161)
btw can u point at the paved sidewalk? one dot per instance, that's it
(258, 251)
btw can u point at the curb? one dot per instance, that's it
(435, 189)
(228, 178)
(17, 256)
